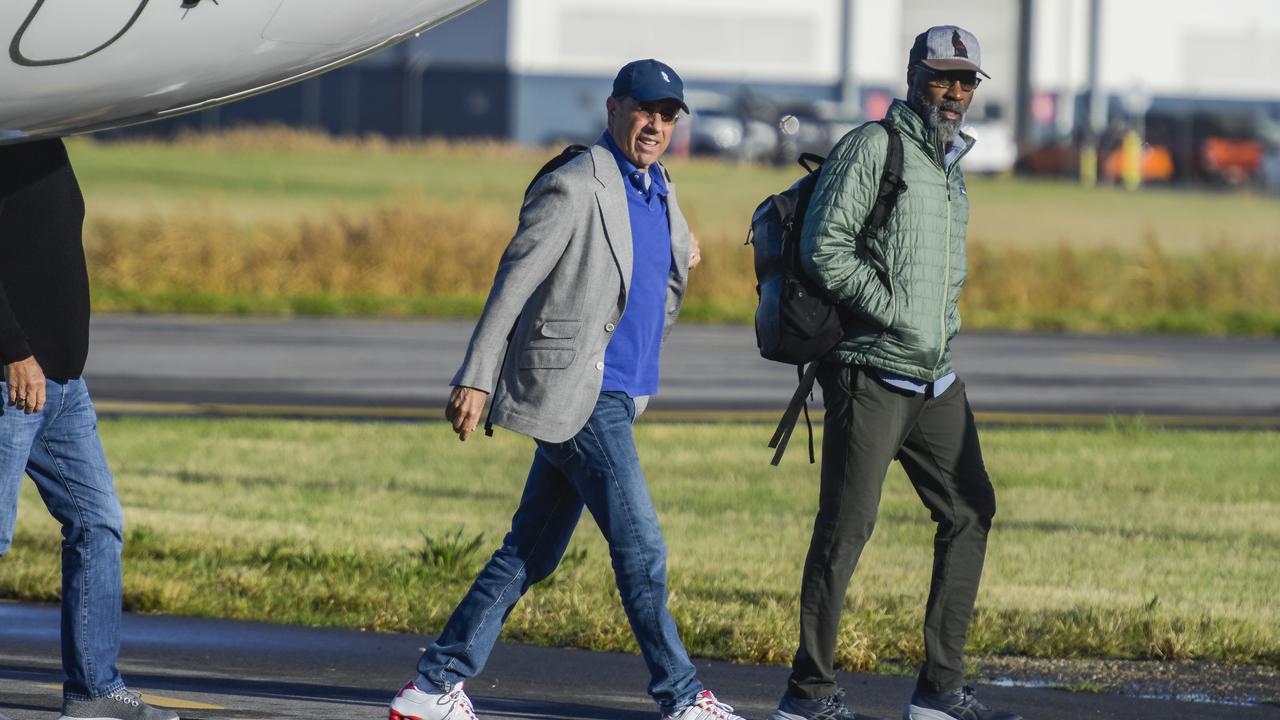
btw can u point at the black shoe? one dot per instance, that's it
(959, 704)
(831, 707)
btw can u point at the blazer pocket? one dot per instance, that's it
(559, 329)
(546, 358)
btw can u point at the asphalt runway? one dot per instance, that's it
(401, 369)
(215, 669)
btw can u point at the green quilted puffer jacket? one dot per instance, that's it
(899, 300)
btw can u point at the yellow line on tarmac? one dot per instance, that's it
(176, 704)
(116, 407)
(164, 702)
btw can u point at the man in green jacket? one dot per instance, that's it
(889, 387)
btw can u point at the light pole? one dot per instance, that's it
(1022, 97)
(1097, 117)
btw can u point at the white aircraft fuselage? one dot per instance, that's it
(82, 65)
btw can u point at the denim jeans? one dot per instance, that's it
(59, 448)
(598, 468)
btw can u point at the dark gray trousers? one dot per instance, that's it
(867, 425)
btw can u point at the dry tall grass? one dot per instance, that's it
(277, 220)
(403, 256)
(284, 139)
(408, 248)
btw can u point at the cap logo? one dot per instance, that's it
(958, 44)
(663, 73)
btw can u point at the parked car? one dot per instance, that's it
(801, 131)
(1231, 161)
(1155, 164)
(724, 134)
(995, 151)
(812, 128)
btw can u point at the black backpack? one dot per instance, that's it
(796, 322)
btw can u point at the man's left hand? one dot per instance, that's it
(695, 252)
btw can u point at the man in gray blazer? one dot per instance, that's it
(568, 348)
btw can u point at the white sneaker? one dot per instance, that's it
(705, 707)
(413, 704)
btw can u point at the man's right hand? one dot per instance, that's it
(464, 409)
(26, 385)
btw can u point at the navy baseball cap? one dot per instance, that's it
(648, 80)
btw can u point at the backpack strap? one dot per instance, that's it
(788, 423)
(891, 186)
(810, 162)
(570, 152)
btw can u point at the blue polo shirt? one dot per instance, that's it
(631, 359)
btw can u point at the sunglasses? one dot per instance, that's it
(969, 81)
(666, 113)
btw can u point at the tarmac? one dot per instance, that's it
(213, 669)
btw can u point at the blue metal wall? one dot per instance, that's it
(368, 99)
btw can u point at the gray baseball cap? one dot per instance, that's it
(947, 47)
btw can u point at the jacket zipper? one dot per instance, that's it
(893, 296)
(946, 273)
(946, 283)
(946, 278)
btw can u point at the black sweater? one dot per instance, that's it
(44, 286)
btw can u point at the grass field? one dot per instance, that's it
(282, 222)
(1127, 542)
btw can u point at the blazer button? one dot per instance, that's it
(600, 366)
(610, 327)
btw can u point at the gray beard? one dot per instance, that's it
(947, 130)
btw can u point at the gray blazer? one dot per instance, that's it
(562, 284)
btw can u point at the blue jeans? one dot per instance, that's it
(59, 448)
(598, 468)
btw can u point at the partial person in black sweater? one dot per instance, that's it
(47, 423)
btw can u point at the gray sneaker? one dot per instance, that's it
(119, 705)
(958, 704)
(828, 708)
